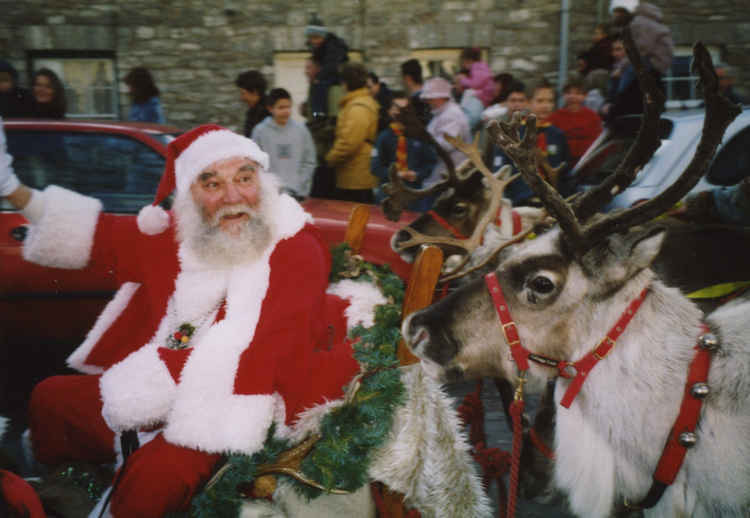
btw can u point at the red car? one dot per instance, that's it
(45, 312)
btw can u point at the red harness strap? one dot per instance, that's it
(674, 452)
(583, 366)
(446, 225)
(520, 353)
(516, 220)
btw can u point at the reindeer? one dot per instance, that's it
(580, 304)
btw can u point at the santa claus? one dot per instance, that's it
(222, 326)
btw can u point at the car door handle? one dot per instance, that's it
(19, 233)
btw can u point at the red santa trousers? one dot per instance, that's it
(66, 425)
(19, 497)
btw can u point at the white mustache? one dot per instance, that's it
(232, 210)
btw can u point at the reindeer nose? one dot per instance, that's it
(416, 336)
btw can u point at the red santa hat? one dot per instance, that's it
(187, 156)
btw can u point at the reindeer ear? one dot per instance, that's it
(622, 257)
(645, 248)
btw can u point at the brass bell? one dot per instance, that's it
(708, 341)
(700, 390)
(687, 439)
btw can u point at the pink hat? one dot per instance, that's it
(187, 156)
(436, 88)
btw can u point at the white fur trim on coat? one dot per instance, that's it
(207, 414)
(3, 426)
(362, 297)
(113, 309)
(211, 147)
(65, 235)
(138, 391)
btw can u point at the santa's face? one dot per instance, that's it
(227, 191)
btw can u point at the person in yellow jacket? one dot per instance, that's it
(355, 135)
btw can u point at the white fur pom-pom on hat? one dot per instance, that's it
(152, 220)
(187, 156)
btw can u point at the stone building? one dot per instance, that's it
(195, 49)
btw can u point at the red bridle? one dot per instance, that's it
(577, 370)
(455, 232)
(675, 448)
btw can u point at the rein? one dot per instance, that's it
(682, 435)
(455, 232)
(446, 225)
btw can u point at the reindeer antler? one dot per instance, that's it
(641, 151)
(523, 153)
(496, 184)
(399, 195)
(719, 114)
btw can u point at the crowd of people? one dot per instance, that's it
(353, 116)
(352, 136)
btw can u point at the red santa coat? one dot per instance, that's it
(269, 358)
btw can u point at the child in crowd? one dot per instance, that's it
(479, 77)
(288, 143)
(414, 158)
(551, 142)
(580, 125)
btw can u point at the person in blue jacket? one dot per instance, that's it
(145, 97)
(414, 158)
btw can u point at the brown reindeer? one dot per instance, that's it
(580, 305)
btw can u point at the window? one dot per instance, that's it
(120, 171)
(681, 86)
(89, 77)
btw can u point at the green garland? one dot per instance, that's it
(349, 433)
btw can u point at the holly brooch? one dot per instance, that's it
(180, 339)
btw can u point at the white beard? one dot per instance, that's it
(217, 248)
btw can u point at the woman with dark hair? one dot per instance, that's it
(49, 95)
(144, 95)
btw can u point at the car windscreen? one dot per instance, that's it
(120, 171)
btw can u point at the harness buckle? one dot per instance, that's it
(609, 349)
(567, 370)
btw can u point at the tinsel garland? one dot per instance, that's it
(350, 432)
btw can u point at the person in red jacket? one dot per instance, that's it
(221, 328)
(580, 124)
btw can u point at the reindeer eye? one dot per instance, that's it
(542, 284)
(460, 209)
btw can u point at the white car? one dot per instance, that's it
(680, 133)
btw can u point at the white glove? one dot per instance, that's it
(8, 179)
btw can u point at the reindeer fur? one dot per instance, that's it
(426, 457)
(609, 441)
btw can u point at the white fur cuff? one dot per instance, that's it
(64, 236)
(234, 423)
(138, 391)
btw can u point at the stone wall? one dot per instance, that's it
(196, 48)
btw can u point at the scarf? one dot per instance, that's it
(401, 155)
